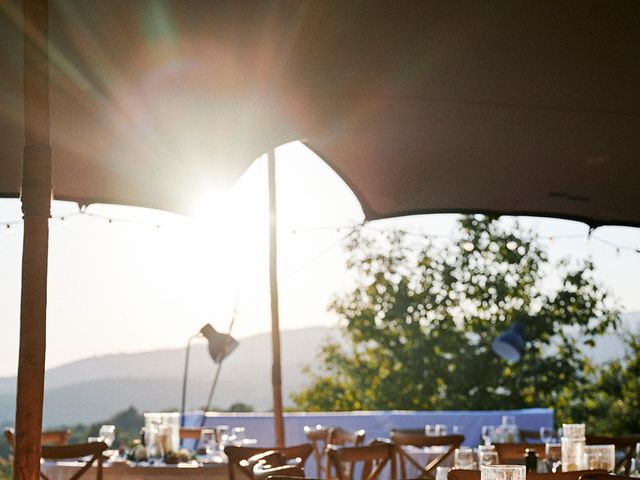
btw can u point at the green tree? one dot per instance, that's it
(421, 319)
(613, 404)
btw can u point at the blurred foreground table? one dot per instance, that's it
(64, 470)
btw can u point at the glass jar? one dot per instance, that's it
(573, 441)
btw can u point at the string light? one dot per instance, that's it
(8, 228)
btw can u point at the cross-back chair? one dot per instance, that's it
(269, 464)
(51, 437)
(514, 452)
(317, 436)
(94, 452)
(239, 457)
(322, 436)
(529, 436)
(417, 438)
(372, 459)
(627, 445)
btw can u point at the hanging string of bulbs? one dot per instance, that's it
(63, 220)
(468, 246)
(9, 227)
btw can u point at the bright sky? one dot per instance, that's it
(126, 286)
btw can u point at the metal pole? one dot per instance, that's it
(217, 376)
(36, 208)
(184, 381)
(276, 373)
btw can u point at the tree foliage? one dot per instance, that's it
(421, 319)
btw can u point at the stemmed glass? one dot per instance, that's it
(553, 454)
(488, 433)
(546, 435)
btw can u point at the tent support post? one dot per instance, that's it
(276, 374)
(36, 208)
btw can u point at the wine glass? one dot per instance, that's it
(440, 429)
(238, 436)
(463, 458)
(108, 434)
(546, 435)
(553, 454)
(488, 433)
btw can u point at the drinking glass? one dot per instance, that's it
(440, 429)
(503, 472)
(508, 420)
(463, 458)
(553, 456)
(488, 433)
(207, 442)
(238, 436)
(546, 435)
(487, 457)
(223, 435)
(599, 457)
(457, 429)
(108, 434)
(442, 472)
(429, 430)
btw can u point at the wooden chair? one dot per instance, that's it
(514, 452)
(475, 475)
(239, 456)
(320, 437)
(627, 445)
(530, 436)
(51, 437)
(317, 436)
(417, 438)
(93, 450)
(195, 433)
(263, 471)
(372, 458)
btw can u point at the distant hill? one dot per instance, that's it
(95, 388)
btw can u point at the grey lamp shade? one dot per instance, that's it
(220, 344)
(510, 343)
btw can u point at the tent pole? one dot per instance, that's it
(276, 374)
(36, 208)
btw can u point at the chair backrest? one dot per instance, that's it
(318, 437)
(417, 438)
(530, 436)
(627, 445)
(238, 457)
(321, 436)
(262, 472)
(51, 437)
(372, 458)
(195, 433)
(91, 450)
(475, 475)
(514, 452)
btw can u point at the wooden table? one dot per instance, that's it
(64, 470)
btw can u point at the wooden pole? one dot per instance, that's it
(276, 373)
(36, 209)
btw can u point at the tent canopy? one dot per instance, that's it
(510, 107)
